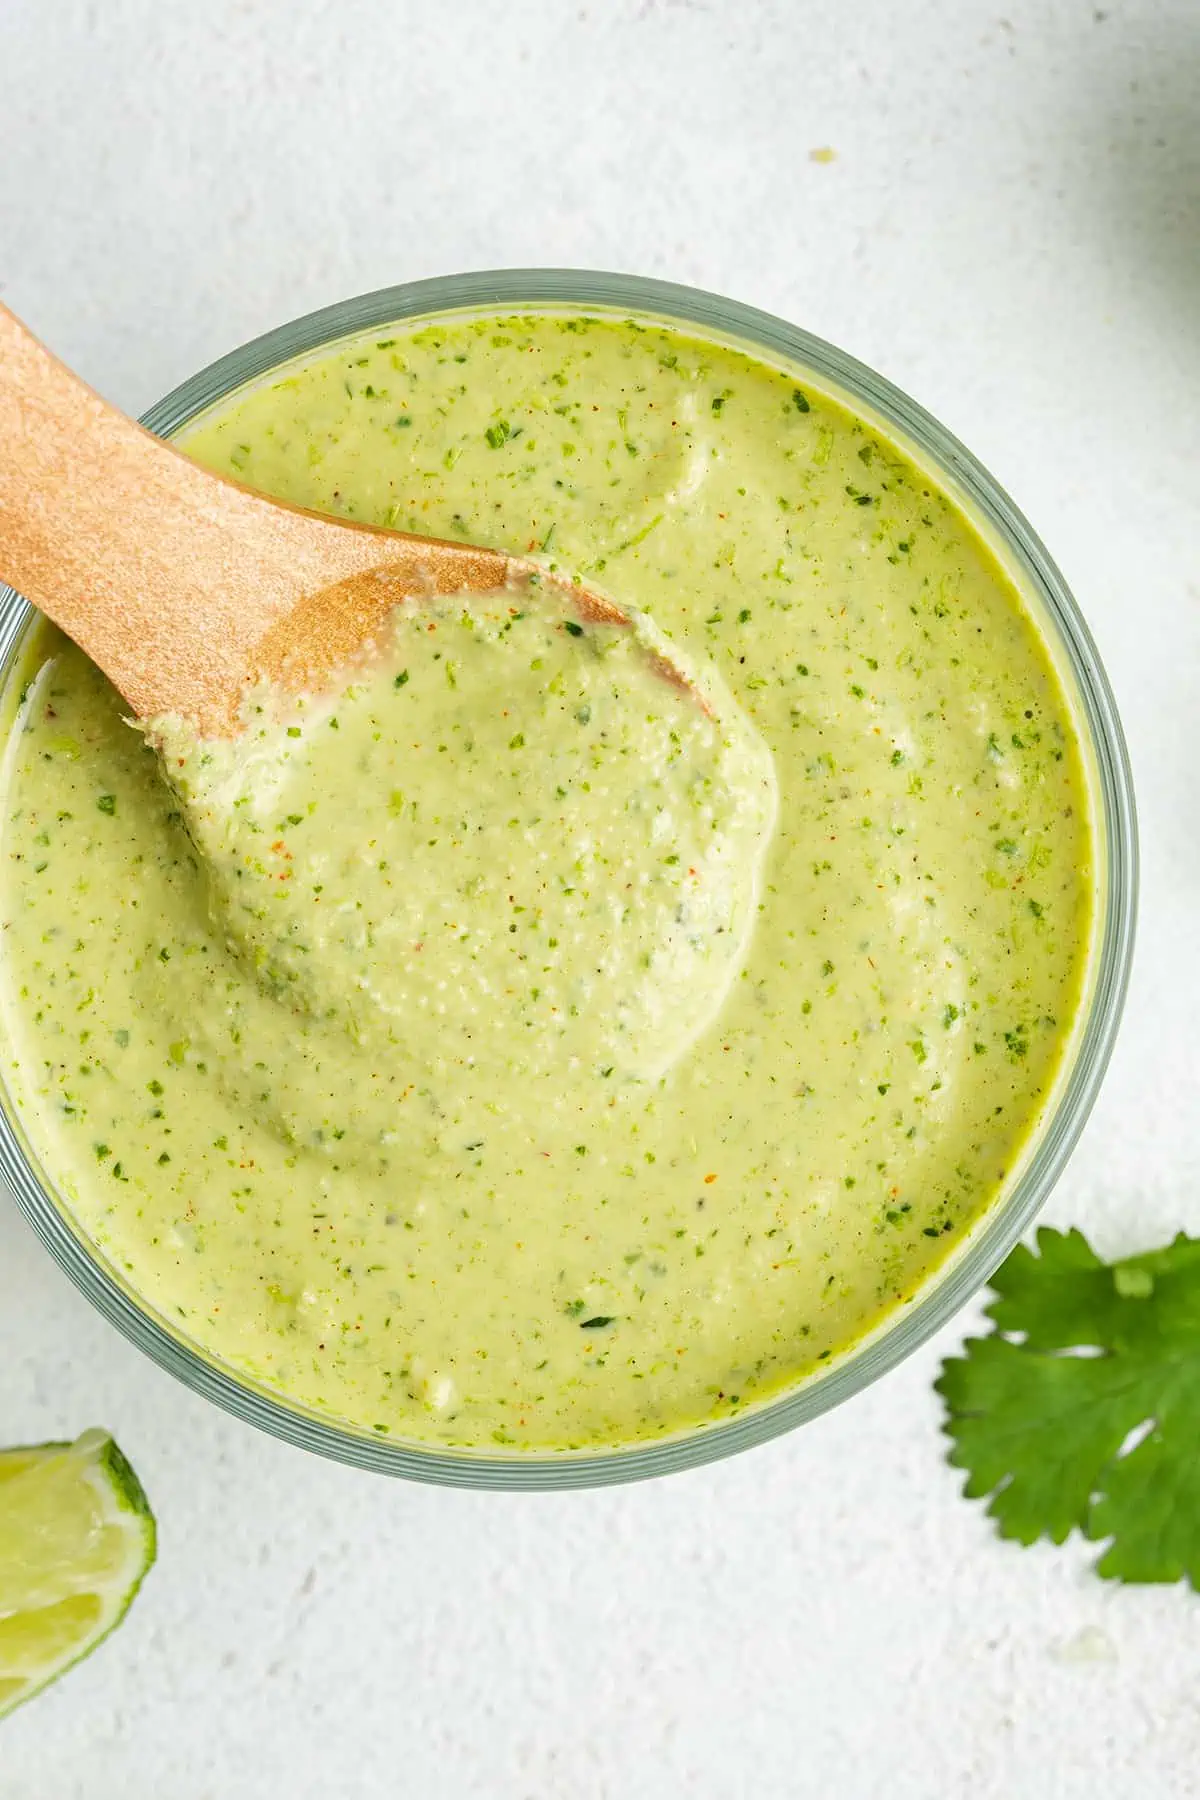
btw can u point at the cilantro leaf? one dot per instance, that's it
(1081, 1410)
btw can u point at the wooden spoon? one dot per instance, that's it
(182, 585)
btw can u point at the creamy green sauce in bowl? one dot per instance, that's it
(536, 1060)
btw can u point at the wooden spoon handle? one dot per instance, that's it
(167, 575)
(110, 533)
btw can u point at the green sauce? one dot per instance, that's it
(515, 1052)
(562, 890)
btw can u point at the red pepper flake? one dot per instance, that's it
(709, 1178)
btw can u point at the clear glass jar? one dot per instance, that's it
(1020, 552)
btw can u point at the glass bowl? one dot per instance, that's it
(1070, 645)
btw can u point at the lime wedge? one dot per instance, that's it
(76, 1538)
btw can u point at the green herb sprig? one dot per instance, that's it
(1080, 1411)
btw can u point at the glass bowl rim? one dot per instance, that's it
(989, 1241)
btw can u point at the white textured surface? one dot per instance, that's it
(1012, 231)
